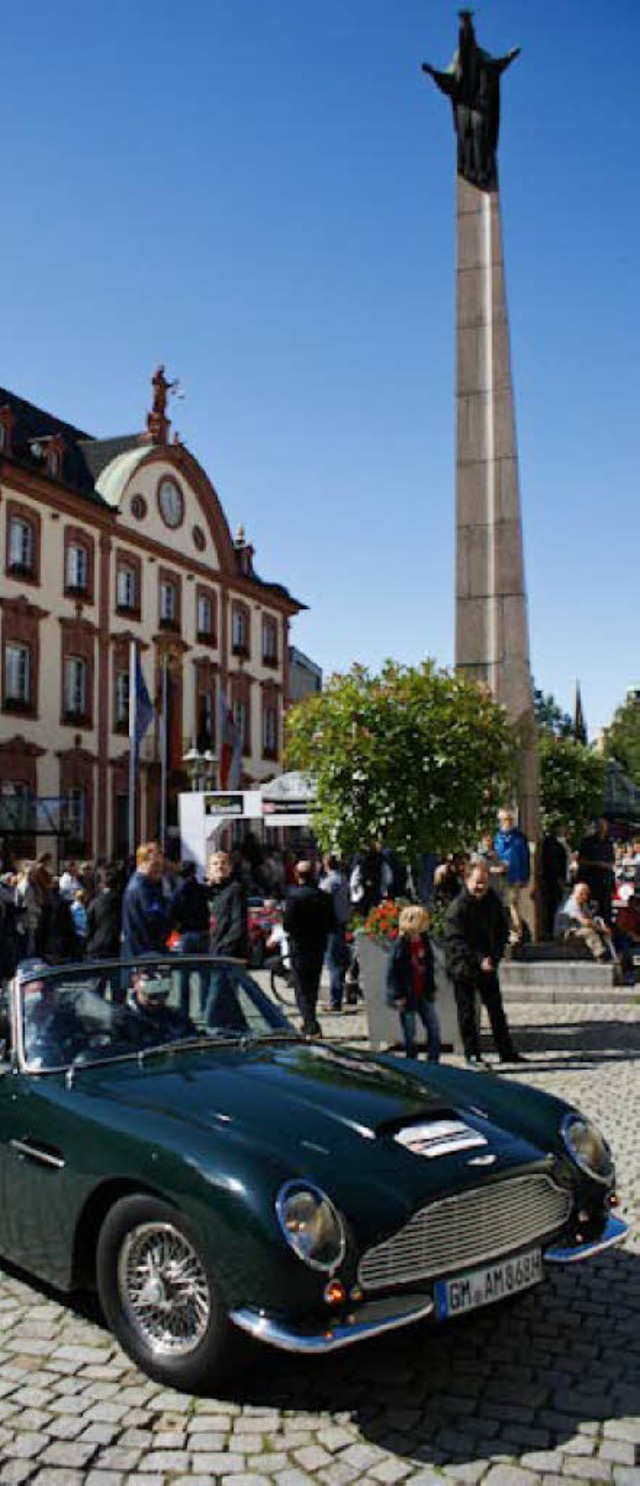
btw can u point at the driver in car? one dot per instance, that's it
(51, 1027)
(147, 999)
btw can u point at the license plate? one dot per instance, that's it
(467, 1292)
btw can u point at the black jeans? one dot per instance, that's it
(307, 969)
(487, 986)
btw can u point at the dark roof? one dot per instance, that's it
(33, 422)
(98, 453)
(84, 457)
(279, 589)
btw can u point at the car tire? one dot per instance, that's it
(160, 1297)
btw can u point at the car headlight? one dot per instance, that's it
(588, 1148)
(311, 1225)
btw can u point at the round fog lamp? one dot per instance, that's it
(335, 1293)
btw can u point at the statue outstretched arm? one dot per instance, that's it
(445, 81)
(500, 64)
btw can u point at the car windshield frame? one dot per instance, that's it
(83, 994)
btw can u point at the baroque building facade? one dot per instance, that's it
(104, 542)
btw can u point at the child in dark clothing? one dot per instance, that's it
(411, 985)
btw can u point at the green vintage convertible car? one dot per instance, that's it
(167, 1136)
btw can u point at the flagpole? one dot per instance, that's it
(132, 747)
(164, 752)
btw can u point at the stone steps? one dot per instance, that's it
(563, 980)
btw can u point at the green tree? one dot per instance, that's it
(549, 715)
(416, 755)
(622, 739)
(571, 784)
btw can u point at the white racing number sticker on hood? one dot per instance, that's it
(439, 1138)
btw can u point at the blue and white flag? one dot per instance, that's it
(144, 709)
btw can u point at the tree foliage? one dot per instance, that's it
(550, 717)
(571, 784)
(622, 739)
(415, 755)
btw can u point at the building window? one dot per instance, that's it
(240, 719)
(77, 568)
(127, 588)
(168, 603)
(122, 701)
(270, 732)
(17, 806)
(17, 684)
(22, 546)
(205, 628)
(239, 631)
(76, 818)
(138, 507)
(269, 641)
(205, 727)
(75, 688)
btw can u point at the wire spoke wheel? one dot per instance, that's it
(164, 1290)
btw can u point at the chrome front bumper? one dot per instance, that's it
(615, 1232)
(377, 1316)
(372, 1319)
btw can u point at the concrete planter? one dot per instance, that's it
(383, 1024)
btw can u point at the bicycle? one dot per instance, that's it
(281, 979)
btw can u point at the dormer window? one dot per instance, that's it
(7, 421)
(54, 455)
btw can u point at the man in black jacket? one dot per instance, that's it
(476, 932)
(308, 919)
(104, 916)
(189, 912)
(228, 906)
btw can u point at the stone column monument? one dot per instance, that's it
(492, 641)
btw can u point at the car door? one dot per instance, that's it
(37, 1200)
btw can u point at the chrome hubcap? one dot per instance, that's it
(164, 1289)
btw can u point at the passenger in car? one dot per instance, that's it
(147, 999)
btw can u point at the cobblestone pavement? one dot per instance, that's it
(545, 1390)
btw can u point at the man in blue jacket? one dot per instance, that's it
(145, 909)
(512, 849)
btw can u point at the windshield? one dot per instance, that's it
(88, 1014)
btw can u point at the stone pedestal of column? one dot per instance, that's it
(492, 639)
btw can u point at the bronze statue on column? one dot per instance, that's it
(472, 82)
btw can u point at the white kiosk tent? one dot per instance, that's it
(286, 801)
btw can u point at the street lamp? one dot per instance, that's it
(201, 768)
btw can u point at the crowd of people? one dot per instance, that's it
(479, 900)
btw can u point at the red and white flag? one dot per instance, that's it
(230, 743)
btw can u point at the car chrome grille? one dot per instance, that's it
(468, 1228)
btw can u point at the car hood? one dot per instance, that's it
(312, 1105)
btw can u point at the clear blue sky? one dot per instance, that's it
(260, 193)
